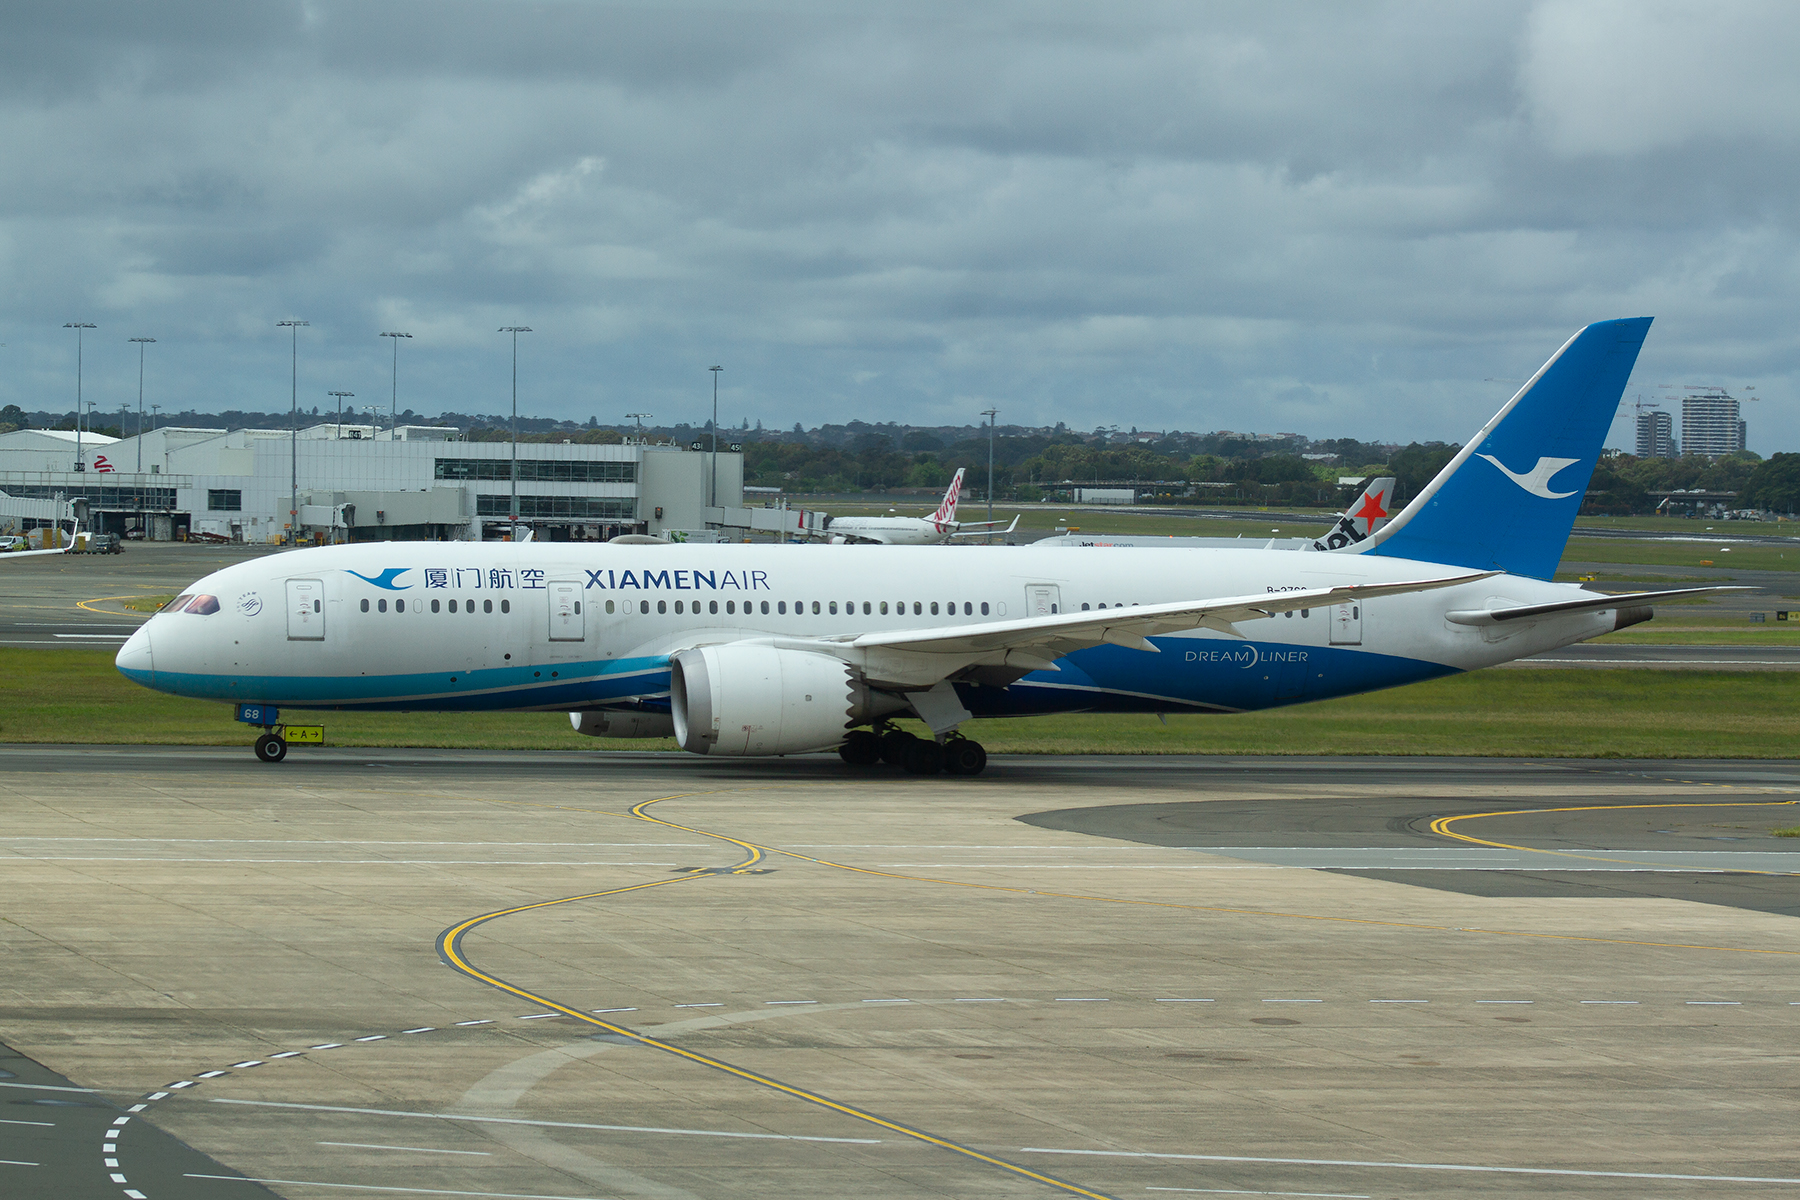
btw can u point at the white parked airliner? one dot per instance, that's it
(741, 650)
(940, 526)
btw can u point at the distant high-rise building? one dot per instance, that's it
(1656, 435)
(1710, 424)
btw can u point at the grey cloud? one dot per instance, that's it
(1318, 216)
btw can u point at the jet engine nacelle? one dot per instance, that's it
(742, 701)
(623, 724)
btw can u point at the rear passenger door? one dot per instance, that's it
(306, 610)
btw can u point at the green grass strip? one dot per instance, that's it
(77, 696)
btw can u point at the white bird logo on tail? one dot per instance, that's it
(1537, 480)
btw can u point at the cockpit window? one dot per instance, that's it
(203, 606)
(177, 604)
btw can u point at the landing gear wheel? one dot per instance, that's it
(963, 757)
(923, 758)
(861, 749)
(893, 746)
(270, 748)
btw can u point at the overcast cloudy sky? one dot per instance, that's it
(1332, 218)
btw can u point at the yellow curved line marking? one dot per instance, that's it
(448, 947)
(1442, 826)
(103, 600)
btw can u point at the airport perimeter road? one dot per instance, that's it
(72, 599)
(618, 975)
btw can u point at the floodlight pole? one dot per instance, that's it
(341, 397)
(713, 492)
(990, 414)
(394, 400)
(141, 343)
(78, 326)
(512, 534)
(293, 328)
(640, 424)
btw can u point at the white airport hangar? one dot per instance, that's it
(358, 483)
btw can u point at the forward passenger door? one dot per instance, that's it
(567, 622)
(306, 610)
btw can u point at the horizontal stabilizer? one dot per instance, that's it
(1528, 612)
(982, 528)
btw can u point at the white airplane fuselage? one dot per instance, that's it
(892, 531)
(566, 626)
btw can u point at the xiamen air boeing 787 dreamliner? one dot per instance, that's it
(767, 650)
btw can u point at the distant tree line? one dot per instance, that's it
(1034, 464)
(1624, 484)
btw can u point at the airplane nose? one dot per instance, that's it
(134, 660)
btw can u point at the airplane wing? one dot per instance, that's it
(1600, 602)
(981, 528)
(31, 553)
(924, 658)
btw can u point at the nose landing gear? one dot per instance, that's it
(272, 745)
(271, 748)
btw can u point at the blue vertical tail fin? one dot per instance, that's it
(1508, 500)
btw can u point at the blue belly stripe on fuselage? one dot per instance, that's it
(579, 684)
(1199, 674)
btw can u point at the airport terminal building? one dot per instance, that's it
(355, 483)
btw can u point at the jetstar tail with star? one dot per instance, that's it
(1370, 512)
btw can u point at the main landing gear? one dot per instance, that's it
(271, 748)
(956, 755)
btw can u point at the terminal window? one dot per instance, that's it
(580, 508)
(538, 470)
(224, 500)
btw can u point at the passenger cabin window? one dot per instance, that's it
(984, 608)
(834, 608)
(381, 605)
(815, 605)
(506, 606)
(934, 611)
(765, 608)
(365, 606)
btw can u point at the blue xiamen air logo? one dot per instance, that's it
(1537, 480)
(385, 579)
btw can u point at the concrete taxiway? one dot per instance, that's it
(616, 975)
